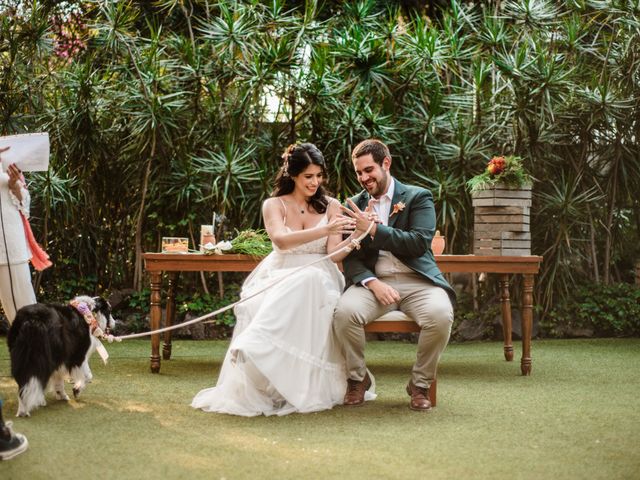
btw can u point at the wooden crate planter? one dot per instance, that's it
(501, 221)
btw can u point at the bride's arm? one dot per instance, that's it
(273, 215)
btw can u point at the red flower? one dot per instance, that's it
(497, 165)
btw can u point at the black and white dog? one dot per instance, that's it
(49, 342)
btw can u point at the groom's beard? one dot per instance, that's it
(377, 187)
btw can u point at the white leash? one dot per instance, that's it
(355, 243)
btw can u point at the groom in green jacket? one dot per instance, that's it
(393, 270)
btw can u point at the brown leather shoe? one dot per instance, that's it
(419, 398)
(355, 391)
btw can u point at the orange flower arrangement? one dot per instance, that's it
(398, 207)
(507, 170)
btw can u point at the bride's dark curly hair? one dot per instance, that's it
(296, 158)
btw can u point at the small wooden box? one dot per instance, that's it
(501, 221)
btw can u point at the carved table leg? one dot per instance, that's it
(171, 314)
(506, 316)
(156, 315)
(527, 322)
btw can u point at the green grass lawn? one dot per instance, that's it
(577, 416)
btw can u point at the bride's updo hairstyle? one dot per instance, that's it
(296, 158)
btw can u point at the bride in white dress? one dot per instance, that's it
(282, 357)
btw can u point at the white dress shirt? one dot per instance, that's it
(388, 263)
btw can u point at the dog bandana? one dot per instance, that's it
(94, 328)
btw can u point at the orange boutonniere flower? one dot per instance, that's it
(398, 207)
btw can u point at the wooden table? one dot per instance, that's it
(173, 264)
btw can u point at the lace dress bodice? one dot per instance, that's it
(314, 246)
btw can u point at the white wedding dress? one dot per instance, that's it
(282, 357)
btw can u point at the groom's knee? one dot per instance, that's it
(438, 316)
(345, 317)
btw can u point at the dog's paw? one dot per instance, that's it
(77, 390)
(23, 414)
(62, 396)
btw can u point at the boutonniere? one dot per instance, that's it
(398, 207)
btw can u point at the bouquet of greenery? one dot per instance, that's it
(507, 171)
(252, 242)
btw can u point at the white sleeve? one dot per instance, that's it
(25, 205)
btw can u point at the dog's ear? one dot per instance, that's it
(102, 305)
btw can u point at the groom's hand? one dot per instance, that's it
(384, 293)
(363, 218)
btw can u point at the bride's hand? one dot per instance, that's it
(340, 224)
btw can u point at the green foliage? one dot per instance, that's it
(252, 242)
(140, 300)
(202, 303)
(607, 310)
(66, 289)
(466, 314)
(507, 171)
(169, 111)
(136, 323)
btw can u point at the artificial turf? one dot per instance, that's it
(575, 417)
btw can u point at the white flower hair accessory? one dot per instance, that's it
(285, 157)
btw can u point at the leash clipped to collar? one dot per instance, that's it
(84, 310)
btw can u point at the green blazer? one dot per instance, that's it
(408, 236)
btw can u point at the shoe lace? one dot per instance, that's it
(352, 385)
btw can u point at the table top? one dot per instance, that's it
(196, 262)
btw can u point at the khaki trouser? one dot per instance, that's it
(20, 283)
(429, 306)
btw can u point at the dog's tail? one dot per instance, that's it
(30, 348)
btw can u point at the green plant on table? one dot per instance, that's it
(252, 242)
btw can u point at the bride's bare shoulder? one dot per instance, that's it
(272, 202)
(333, 204)
(273, 206)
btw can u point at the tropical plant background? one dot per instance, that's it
(161, 113)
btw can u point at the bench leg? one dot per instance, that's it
(433, 390)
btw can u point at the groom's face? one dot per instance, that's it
(373, 177)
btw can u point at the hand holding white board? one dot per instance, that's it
(30, 152)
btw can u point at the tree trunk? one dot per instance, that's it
(612, 206)
(137, 276)
(594, 251)
(292, 120)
